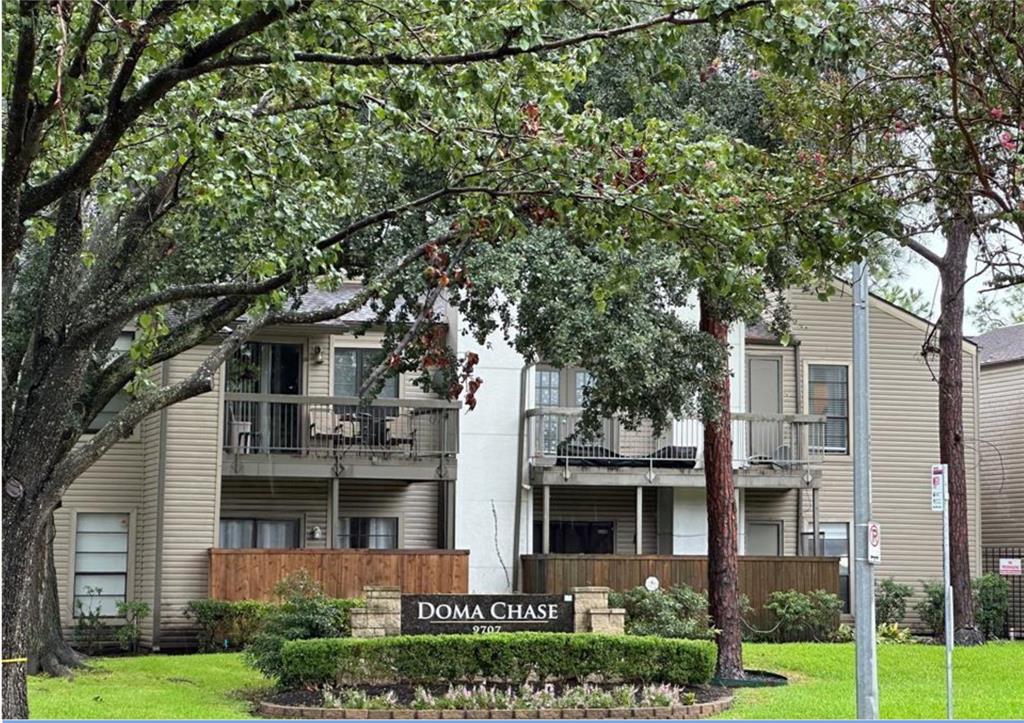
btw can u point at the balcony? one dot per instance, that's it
(297, 436)
(777, 450)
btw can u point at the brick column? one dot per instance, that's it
(382, 615)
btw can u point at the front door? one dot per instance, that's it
(764, 397)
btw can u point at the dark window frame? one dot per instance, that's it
(559, 534)
(296, 520)
(366, 535)
(365, 364)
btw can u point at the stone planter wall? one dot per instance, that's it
(684, 712)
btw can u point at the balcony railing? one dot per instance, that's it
(777, 440)
(331, 426)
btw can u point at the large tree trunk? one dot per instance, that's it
(953, 274)
(22, 533)
(723, 539)
(48, 651)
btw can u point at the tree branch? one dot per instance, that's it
(679, 16)
(121, 117)
(923, 251)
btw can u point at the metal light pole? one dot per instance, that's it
(864, 583)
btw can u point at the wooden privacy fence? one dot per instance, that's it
(759, 576)
(252, 574)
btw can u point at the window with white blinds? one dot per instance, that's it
(101, 562)
(830, 396)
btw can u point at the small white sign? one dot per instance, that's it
(874, 542)
(938, 487)
(652, 583)
(1009, 566)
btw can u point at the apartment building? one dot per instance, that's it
(283, 467)
(1001, 353)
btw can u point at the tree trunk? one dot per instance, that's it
(48, 651)
(723, 539)
(22, 531)
(953, 273)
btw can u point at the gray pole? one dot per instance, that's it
(948, 599)
(863, 576)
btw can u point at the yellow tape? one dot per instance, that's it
(14, 660)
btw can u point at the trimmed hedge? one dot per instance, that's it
(506, 657)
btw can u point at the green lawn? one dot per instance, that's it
(150, 686)
(988, 684)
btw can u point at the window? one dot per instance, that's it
(583, 380)
(572, 536)
(829, 395)
(353, 366)
(368, 533)
(549, 394)
(834, 540)
(101, 562)
(120, 400)
(239, 533)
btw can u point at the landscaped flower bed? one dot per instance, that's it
(500, 701)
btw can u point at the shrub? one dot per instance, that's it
(507, 657)
(891, 601)
(300, 618)
(931, 608)
(800, 616)
(91, 629)
(225, 624)
(893, 633)
(991, 601)
(678, 612)
(129, 634)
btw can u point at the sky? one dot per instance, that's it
(924, 276)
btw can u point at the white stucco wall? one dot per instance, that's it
(488, 453)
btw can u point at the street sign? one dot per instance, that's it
(1009, 566)
(938, 487)
(874, 543)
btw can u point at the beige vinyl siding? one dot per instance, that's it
(112, 484)
(306, 500)
(192, 473)
(1002, 454)
(904, 432)
(773, 506)
(605, 504)
(415, 504)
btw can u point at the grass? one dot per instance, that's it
(911, 681)
(911, 684)
(215, 685)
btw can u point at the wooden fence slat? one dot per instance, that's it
(759, 576)
(252, 574)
